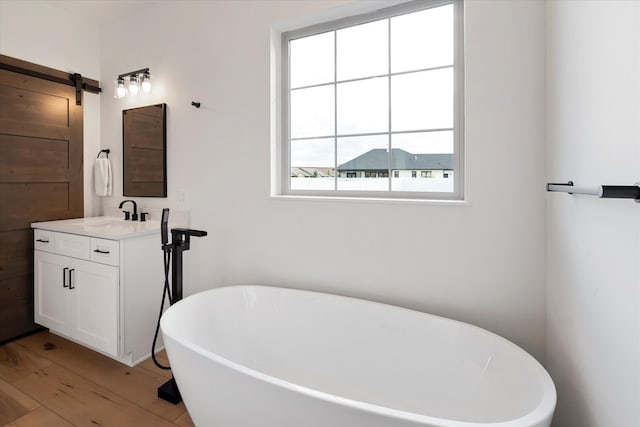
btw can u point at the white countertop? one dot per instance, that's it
(105, 227)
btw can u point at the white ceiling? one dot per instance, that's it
(103, 11)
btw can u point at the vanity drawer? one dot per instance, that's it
(43, 240)
(105, 251)
(72, 245)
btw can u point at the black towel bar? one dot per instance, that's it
(602, 191)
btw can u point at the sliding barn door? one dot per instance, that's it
(41, 179)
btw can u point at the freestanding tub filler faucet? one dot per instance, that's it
(180, 242)
(134, 217)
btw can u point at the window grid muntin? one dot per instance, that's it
(376, 76)
(335, 110)
(389, 152)
(395, 132)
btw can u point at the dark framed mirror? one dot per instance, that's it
(144, 151)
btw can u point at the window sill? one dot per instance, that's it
(381, 200)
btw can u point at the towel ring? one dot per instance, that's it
(107, 151)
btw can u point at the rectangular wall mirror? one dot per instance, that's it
(144, 151)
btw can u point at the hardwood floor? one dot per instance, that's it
(48, 381)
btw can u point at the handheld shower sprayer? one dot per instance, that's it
(164, 223)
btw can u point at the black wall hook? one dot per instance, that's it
(195, 104)
(106, 150)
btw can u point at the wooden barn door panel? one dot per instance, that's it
(41, 179)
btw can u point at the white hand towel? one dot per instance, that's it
(102, 177)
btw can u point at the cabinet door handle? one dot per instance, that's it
(64, 277)
(42, 241)
(101, 252)
(70, 283)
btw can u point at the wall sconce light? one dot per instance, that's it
(132, 83)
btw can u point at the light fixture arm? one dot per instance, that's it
(134, 73)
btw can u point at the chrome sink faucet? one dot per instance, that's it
(134, 217)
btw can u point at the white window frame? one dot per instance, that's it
(283, 166)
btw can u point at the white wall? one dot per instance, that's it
(38, 32)
(482, 262)
(593, 333)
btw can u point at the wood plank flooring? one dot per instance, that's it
(48, 381)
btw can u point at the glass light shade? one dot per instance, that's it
(120, 90)
(145, 78)
(134, 85)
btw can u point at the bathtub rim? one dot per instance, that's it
(540, 413)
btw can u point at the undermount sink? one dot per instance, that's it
(114, 225)
(105, 227)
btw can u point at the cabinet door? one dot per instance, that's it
(95, 305)
(52, 296)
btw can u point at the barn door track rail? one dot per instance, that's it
(34, 70)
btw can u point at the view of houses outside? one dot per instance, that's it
(369, 172)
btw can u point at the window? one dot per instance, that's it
(364, 96)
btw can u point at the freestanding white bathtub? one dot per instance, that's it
(275, 357)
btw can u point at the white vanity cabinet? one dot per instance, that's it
(98, 292)
(78, 299)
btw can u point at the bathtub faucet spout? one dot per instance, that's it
(180, 242)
